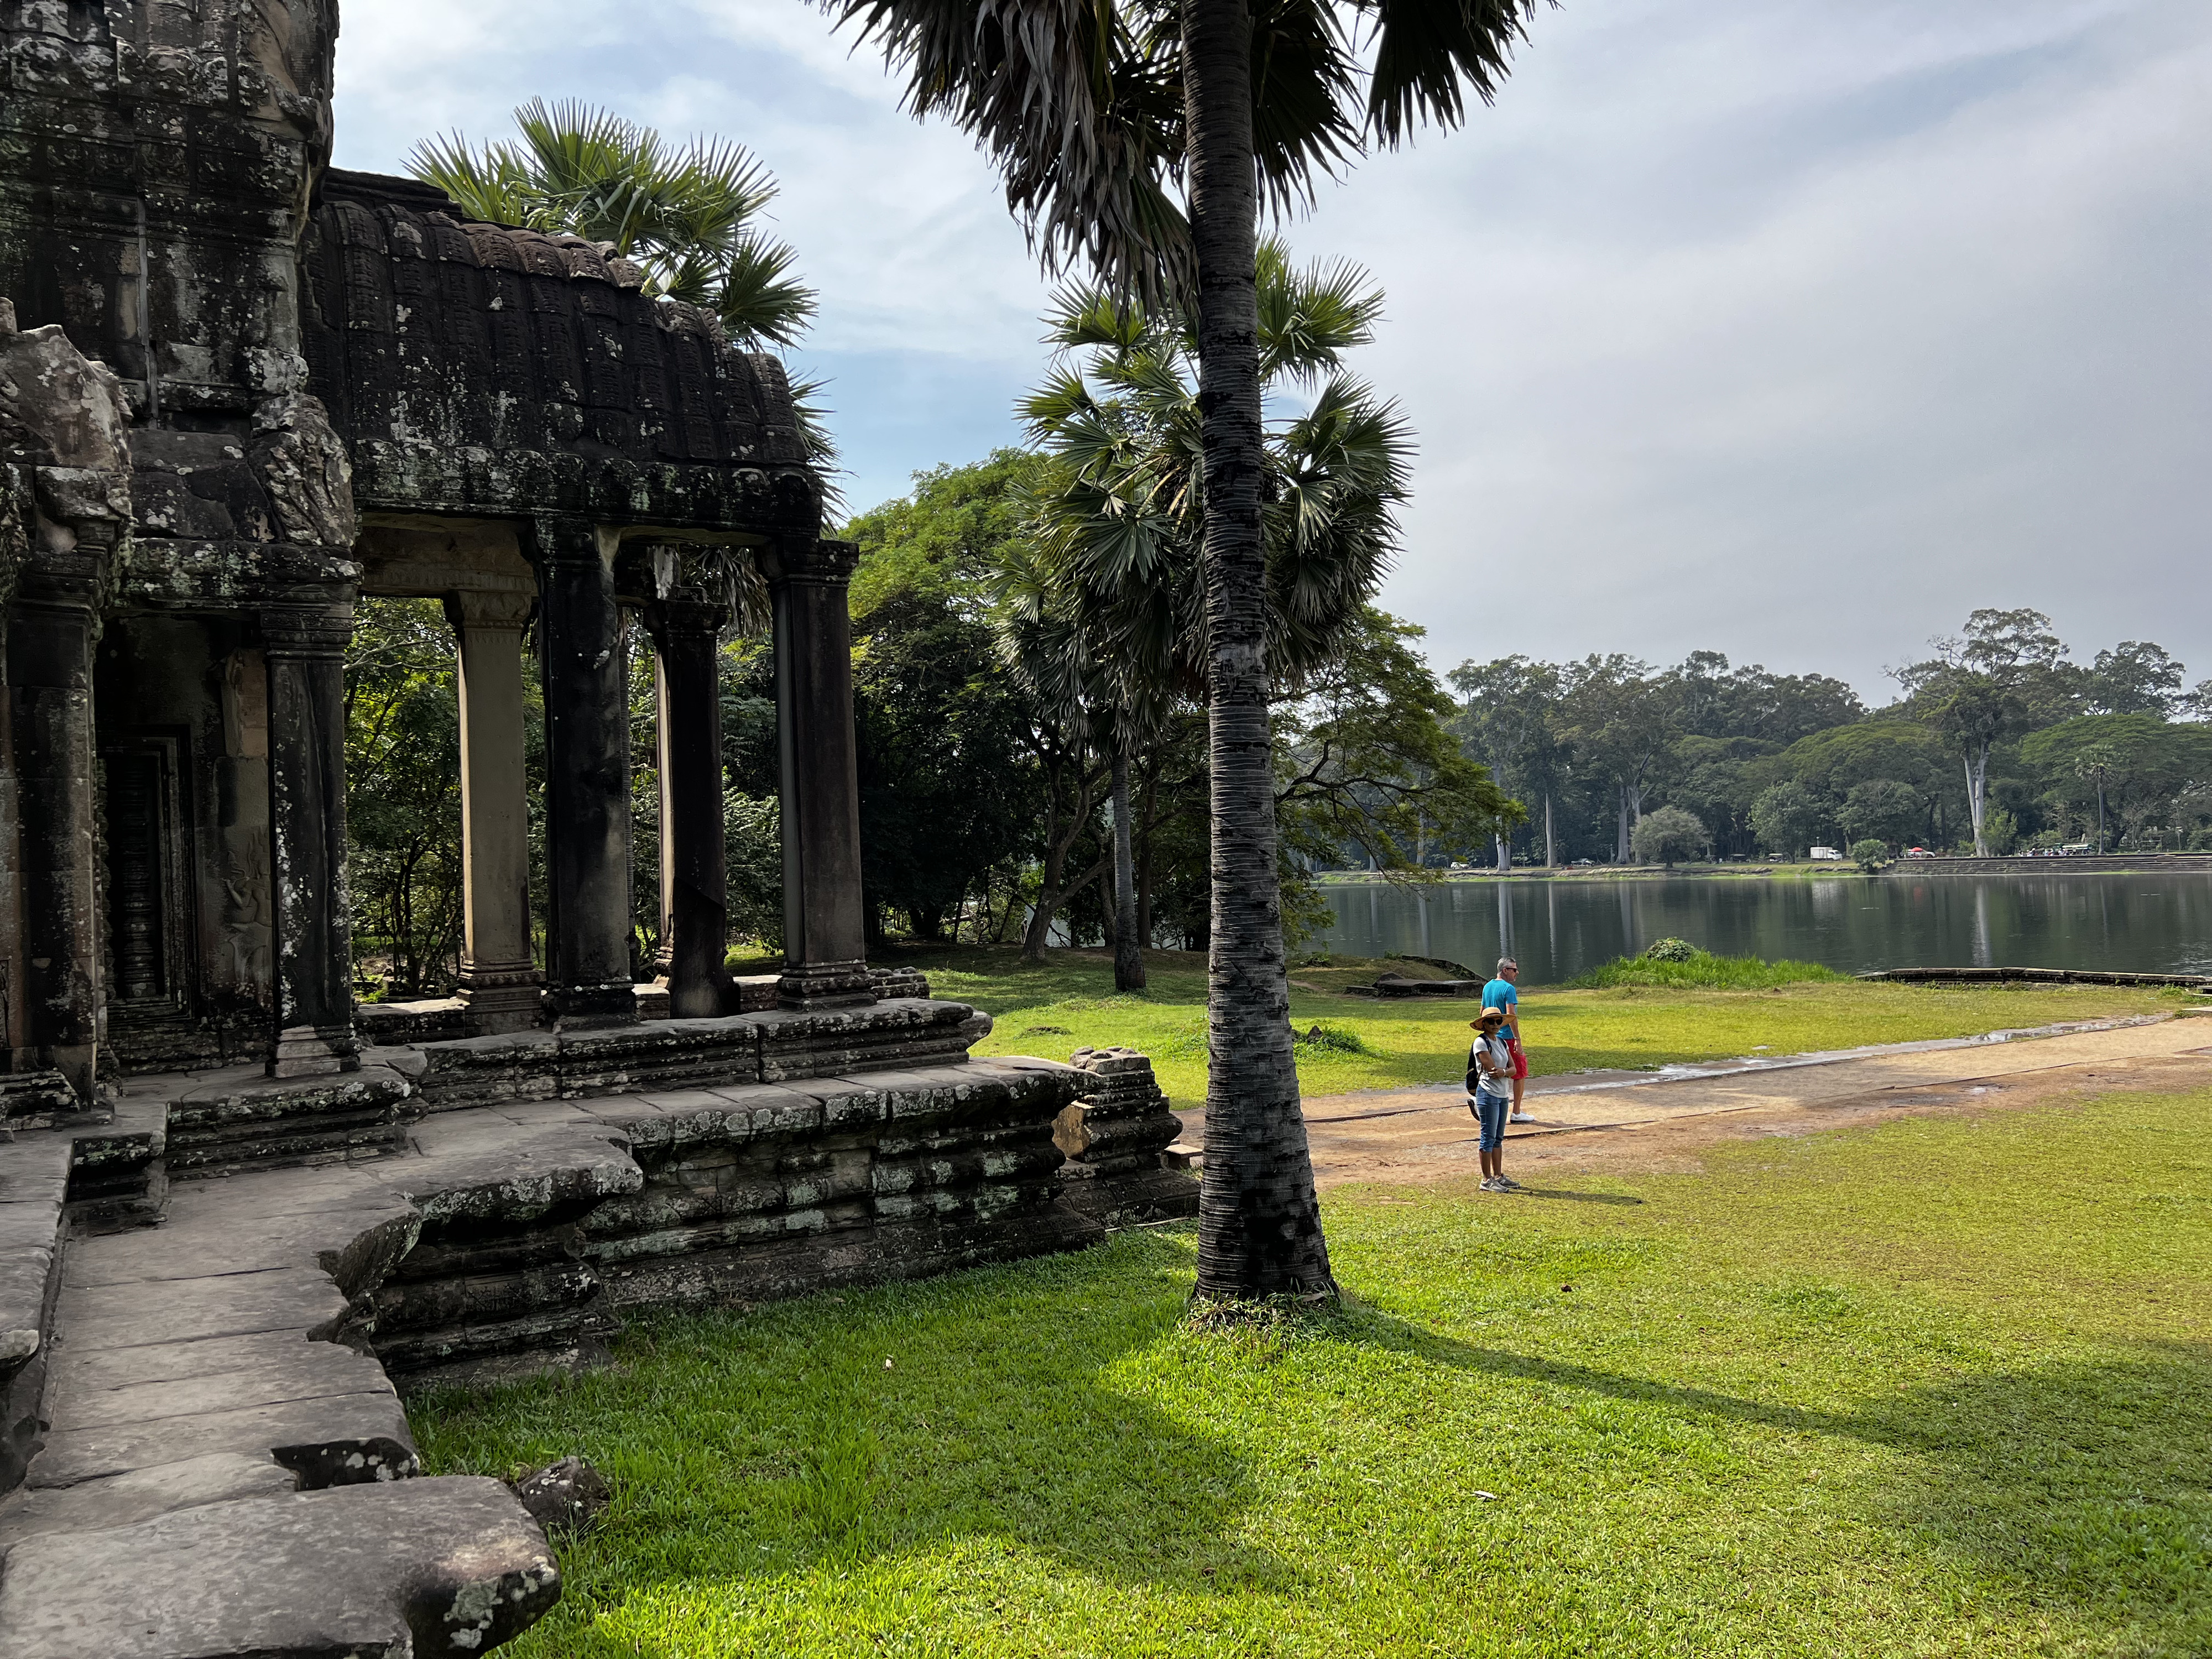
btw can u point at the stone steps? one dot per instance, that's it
(237, 1117)
(774, 1045)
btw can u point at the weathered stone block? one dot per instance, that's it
(449, 1565)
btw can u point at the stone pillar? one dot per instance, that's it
(695, 912)
(50, 634)
(584, 668)
(304, 645)
(499, 978)
(824, 939)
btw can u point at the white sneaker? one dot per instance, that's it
(1490, 1184)
(1520, 1117)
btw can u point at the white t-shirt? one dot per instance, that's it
(1499, 1082)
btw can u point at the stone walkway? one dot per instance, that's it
(224, 1468)
(1425, 1134)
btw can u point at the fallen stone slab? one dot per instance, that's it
(276, 1373)
(122, 1500)
(451, 1565)
(221, 1304)
(35, 1168)
(340, 1440)
(197, 1233)
(91, 1369)
(26, 1272)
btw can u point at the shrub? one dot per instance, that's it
(1870, 854)
(1671, 950)
(1701, 970)
(1331, 1037)
(1667, 835)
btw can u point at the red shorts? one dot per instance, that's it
(1520, 1060)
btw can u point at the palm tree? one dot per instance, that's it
(1097, 116)
(688, 217)
(1118, 509)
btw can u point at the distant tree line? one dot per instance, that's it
(1998, 741)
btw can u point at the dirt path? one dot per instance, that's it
(1585, 1123)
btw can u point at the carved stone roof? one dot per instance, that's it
(480, 368)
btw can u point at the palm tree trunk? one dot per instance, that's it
(1259, 1222)
(1128, 943)
(1144, 865)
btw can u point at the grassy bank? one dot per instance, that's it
(1940, 1387)
(1069, 1003)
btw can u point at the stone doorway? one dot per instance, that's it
(152, 1013)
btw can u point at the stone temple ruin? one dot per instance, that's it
(240, 390)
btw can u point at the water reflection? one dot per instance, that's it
(2152, 923)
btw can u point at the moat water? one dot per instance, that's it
(2135, 921)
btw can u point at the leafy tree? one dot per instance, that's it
(2133, 677)
(1508, 723)
(1788, 818)
(1108, 612)
(1368, 756)
(752, 842)
(1869, 854)
(2138, 763)
(1882, 809)
(1095, 116)
(944, 540)
(403, 791)
(2006, 674)
(1667, 835)
(1713, 700)
(945, 796)
(1615, 712)
(952, 790)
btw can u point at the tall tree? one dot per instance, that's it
(1121, 505)
(1094, 115)
(2005, 674)
(1507, 723)
(1618, 715)
(2133, 677)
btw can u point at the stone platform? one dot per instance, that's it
(203, 1450)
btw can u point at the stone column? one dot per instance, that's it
(499, 978)
(50, 634)
(304, 643)
(824, 939)
(584, 667)
(695, 909)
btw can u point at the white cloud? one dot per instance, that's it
(1795, 328)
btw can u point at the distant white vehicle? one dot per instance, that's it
(1828, 852)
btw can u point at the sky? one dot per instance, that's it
(1790, 329)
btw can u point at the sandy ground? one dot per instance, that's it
(1586, 1123)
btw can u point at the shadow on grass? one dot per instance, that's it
(1560, 1194)
(782, 1454)
(813, 1438)
(2085, 1485)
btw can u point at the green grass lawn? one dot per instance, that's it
(1942, 1387)
(1069, 1003)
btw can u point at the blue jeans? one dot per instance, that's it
(1490, 1111)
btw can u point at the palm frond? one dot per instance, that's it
(760, 300)
(493, 185)
(1424, 49)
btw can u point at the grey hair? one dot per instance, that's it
(1504, 963)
